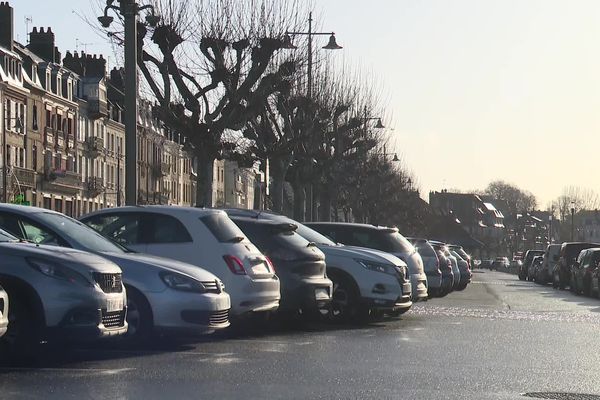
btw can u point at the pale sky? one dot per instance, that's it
(476, 90)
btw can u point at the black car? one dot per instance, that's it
(561, 273)
(584, 270)
(298, 263)
(446, 268)
(524, 268)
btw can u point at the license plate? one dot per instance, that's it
(321, 294)
(260, 269)
(115, 304)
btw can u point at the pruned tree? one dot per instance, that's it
(210, 67)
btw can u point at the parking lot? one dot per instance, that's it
(496, 340)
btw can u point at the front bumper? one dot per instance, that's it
(86, 324)
(3, 312)
(189, 313)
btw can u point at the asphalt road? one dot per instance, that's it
(496, 340)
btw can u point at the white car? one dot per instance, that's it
(366, 282)
(163, 296)
(203, 237)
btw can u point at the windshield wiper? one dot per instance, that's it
(235, 239)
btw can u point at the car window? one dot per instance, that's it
(10, 224)
(163, 228)
(39, 235)
(77, 232)
(6, 237)
(223, 228)
(313, 236)
(122, 228)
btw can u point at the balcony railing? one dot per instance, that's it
(62, 180)
(160, 170)
(94, 146)
(94, 186)
(97, 109)
(24, 176)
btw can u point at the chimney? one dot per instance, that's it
(116, 78)
(73, 63)
(95, 67)
(41, 43)
(6, 25)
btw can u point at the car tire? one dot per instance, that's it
(139, 316)
(344, 306)
(21, 342)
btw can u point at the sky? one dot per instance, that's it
(474, 90)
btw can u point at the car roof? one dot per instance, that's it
(163, 209)
(19, 209)
(351, 225)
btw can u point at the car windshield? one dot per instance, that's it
(313, 236)
(223, 228)
(78, 232)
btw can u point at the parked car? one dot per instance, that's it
(561, 273)
(3, 311)
(431, 264)
(464, 270)
(380, 238)
(202, 237)
(524, 268)
(550, 258)
(299, 264)
(448, 277)
(487, 263)
(453, 263)
(500, 264)
(58, 293)
(164, 296)
(535, 265)
(366, 282)
(462, 253)
(583, 272)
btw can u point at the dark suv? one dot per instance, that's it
(529, 256)
(561, 274)
(298, 263)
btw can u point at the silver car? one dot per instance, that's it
(164, 295)
(3, 311)
(59, 293)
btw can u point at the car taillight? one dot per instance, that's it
(271, 265)
(235, 265)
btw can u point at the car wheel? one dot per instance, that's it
(344, 305)
(139, 315)
(21, 340)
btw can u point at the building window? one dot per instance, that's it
(48, 119)
(34, 118)
(59, 121)
(34, 157)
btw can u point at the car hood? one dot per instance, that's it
(160, 263)
(74, 258)
(360, 252)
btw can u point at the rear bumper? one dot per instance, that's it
(305, 293)
(257, 295)
(419, 286)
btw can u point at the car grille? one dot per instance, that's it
(212, 286)
(218, 317)
(114, 319)
(109, 283)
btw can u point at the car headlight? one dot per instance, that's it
(58, 271)
(181, 282)
(378, 267)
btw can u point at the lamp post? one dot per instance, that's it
(18, 126)
(572, 220)
(129, 9)
(331, 45)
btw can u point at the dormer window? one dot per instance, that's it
(58, 86)
(34, 76)
(48, 81)
(70, 90)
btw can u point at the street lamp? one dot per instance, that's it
(572, 219)
(129, 9)
(331, 45)
(19, 127)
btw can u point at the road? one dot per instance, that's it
(498, 339)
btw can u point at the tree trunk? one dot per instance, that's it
(279, 169)
(325, 202)
(204, 181)
(299, 201)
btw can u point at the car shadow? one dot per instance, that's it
(548, 291)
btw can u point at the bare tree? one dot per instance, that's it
(210, 66)
(577, 198)
(518, 200)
